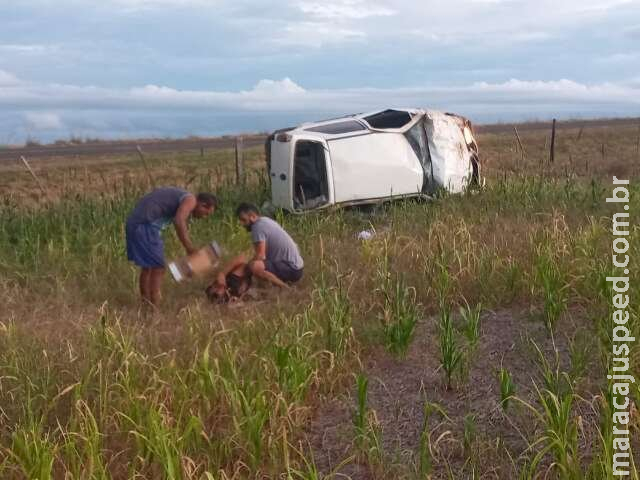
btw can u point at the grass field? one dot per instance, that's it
(470, 338)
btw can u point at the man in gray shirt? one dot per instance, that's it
(276, 258)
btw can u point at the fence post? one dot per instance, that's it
(239, 161)
(522, 152)
(33, 174)
(638, 145)
(552, 152)
(146, 167)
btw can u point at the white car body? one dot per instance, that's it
(368, 158)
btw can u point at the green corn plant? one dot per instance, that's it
(553, 287)
(512, 279)
(156, 437)
(366, 425)
(34, 452)
(360, 416)
(84, 446)
(308, 469)
(526, 471)
(205, 371)
(250, 411)
(425, 455)
(443, 283)
(451, 355)
(336, 311)
(424, 462)
(579, 353)
(294, 370)
(553, 378)
(374, 451)
(507, 388)
(601, 466)
(560, 435)
(399, 316)
(469, 434)
(256, 414)
(471, 323)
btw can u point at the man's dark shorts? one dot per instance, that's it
(144, 245)
(283, 271)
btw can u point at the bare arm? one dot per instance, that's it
(180, 221)
(236, 262)
(260, 251)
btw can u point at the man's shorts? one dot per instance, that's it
(144, 245)
(283, 271)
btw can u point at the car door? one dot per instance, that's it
(281, 171)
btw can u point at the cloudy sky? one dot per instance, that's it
(170, 68)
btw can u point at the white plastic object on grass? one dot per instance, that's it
(366, 234)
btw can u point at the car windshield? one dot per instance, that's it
(389, 119)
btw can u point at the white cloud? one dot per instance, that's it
(43, 121)
(345, 10)
(317, 34)
(602, 5)
(491, 38)
(286, 86)
(285, 95)
(136, 5)
(49, 111)
(25, 48)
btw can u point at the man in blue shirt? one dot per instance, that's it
(152, 214)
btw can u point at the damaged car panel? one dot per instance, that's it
(368, 158)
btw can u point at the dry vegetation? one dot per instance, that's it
(467, 339)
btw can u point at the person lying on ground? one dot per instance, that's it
(277, 257)
(152, 214)
(231, 283)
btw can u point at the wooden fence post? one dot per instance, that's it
(33, 174)
(552, 152)
(146, 167)
(239, 161)
(522, 152)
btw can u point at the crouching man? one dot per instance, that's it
(276, 256)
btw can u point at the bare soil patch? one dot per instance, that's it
(398, 389)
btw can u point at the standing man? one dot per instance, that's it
(276, 258)
(152, 214)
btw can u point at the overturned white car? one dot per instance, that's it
(368, 158)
